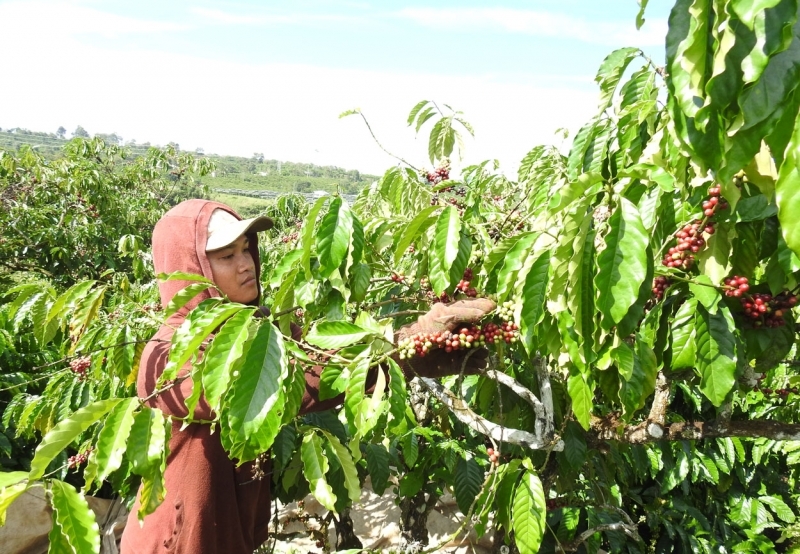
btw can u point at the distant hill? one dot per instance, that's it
(234, 174)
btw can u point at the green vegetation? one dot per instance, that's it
(642, 393)
(232, 172)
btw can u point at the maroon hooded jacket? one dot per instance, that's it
(211, 506)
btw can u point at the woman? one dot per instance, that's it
(211, 505)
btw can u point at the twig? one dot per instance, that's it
(380, 145)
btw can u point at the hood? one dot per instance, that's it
(179, 240)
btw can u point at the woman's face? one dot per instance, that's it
(234, 271)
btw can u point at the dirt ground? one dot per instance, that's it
(377, 524)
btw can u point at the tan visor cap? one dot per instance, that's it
(224, 228)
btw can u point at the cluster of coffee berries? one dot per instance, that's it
(299, 313)
(766, 310)
(464, 284)
(411, 249)
(690, 242)
(289, 238)
(714, 202)
(494, 456)
(660, 284)
(441, 173)
(505, 311)
(155, 307)
(79, 365)
(555, 503)
(782, 393)
(79, 459)
(298, 224)
(420, 344)
(398, 277)
(736, 286)
(508, 331)
(424, 283)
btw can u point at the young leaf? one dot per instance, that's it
(63, 434)
(582, 398)
(528, 516)
(75, 518)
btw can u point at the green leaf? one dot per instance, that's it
(528, 516)
(256, 402)
(113, 439)
(360, 276)
(687, 68)
(640, 15)
(181, 276)
(576, 153)
(412, 231)
(462, 258)
(513, 264)
(684, 349)
(196, 328)
(65, 432)
(85, 311)
(336, 334)
(415, 110)
(309, 228)
(467, 483)
(611, 71)
(716, 353)
(714, 260)
(315, 466)
(779, 507)
(148, 441)
(582, 398)
(704, 290)
(285, 264)
(445, 248)
(184, 296)
(75, 518)
(574, 445)
(534, 293)
(378, 467)
(9, 493)
(622, 264)
(351, 481)
(787, 192)
(223, 356)
(63, 306)
(398, 398)
(333, 238)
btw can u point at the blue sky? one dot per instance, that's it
(272, 77)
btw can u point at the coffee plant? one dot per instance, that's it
(640, 393)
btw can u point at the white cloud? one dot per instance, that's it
(288, 112)
(541, 23)
(228, 18)
(49, 19)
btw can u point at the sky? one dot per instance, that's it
(240, 77)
